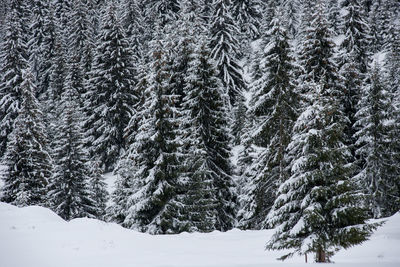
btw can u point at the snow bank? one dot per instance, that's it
(36, 237)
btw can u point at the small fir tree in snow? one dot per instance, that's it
(27, 161)
(110, 95)
(69, 190)
(318, 209)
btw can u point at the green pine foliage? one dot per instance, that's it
(378, 147)
(69, 189)
(110, 96)
(14, 55)
(319, 208)
(27, 162)
(210, 197)
(273, 108)
(153, 204)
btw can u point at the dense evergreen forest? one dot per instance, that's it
(213, 114)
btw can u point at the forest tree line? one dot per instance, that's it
(213, 114)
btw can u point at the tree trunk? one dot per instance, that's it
(321, 255)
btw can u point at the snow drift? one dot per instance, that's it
(36, 237)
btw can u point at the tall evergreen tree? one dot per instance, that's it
(14, 54)
(210, 197)
(110, 95)
(318, 208)
(153, 205)
(26, 159)
(69, 191)
(224, 47)
(274, 108)
(246, 14)
(377, 150)
(81, 36)
(354, 56)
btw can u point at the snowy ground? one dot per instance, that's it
(36, 237)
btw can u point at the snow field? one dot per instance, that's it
(37, 237)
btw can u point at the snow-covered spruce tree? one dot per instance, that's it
(14, 54)
(125, 184)
(274, 108)
(134, 21)
(69, 191)
(354, 56)
(224, 49)
(291, 16)
(319, 208)
(334, 15)
(62, 10)
(153, 205)
(161, 12)
(377, 150)
(110, 95)
(210, 197)
(46, 51)
(393, 59)
(97, 189)
(37, 36)
(57, 74)
(81, 36)
(247, 16)
(26, 159)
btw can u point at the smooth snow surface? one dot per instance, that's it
(36, 237)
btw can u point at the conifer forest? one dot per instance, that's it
(212, 114)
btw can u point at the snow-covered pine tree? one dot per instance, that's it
(27, 162)
(334, 15)
(14, 54)
(97, 189)
(291, 16)
(274, 107)
(81, 36)
(62, 10)
(134, 22)
(46, 50)
(393, 58)
(210, 197)
(110, 96)
(225, 49)
(354, 57)
(378, 147)
(319, 208)
(37, 36)
(247, 16)
(57, 74)
(69, 190)
(161, 12)
(153, 205)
